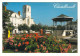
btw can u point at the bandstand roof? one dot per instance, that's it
(62, 17)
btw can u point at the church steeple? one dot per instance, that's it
(26, 11)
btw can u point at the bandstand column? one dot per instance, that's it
(56, 27)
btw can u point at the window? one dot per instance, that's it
(15, 15)
(28, 21)
(15, 31)
(28, 9)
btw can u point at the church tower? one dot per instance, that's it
(27, 14)
(26, 11)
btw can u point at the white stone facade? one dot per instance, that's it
(16, 19)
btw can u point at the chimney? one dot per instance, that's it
(5, 8)
(19, 13)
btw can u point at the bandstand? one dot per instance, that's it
(62, 20)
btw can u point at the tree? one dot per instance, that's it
(20, 27)
(6, 17)
(23, 27)
(7, 25)
(34, 27)
(45, 27)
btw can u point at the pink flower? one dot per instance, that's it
(44, 48)
(9, 38)
(10, 43)
(12, 37)
(16, 50)
(65, 50)
(12, 40)
(69, 46)
(2, 48)
(47, 51)
(25, 49)
(15, 44)
(41, 45)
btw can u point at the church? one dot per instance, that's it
(17, 19)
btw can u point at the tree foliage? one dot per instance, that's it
(6, 18)
(23, 27)
(40, 26)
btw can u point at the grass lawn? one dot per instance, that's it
(10, 51)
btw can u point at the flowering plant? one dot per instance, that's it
(36, 44)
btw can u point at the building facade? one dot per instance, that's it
(16, 19)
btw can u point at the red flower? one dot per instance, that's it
(19, 44)
(36, 38)
(36, 34)
(69, 46)
(30, 34)
(48, 34)
(41, 45)
(23, 43)
(44, 42)
(23, 38)
(17, 38)
(65, 50)
(37, 46)
(27, 42)
(40, 36)
(47, 51)
(61, 49)
(27, 35)
(16, 50)
(44, 48)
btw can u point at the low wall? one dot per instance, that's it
(58, 32)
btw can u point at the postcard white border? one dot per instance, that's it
(39, 54)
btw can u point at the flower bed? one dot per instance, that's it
(33, 43)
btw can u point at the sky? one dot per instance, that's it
(44, 12)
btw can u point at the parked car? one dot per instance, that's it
(71, 38)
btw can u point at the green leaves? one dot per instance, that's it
(23, 27)
(41, 45)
